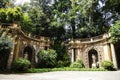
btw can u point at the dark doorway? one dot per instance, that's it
(4, 56)
(28, 53)
(93, 58)
(74, 51)
(117, 51)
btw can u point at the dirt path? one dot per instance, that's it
(64, 75)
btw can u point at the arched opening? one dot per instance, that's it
(93, 58)
(28, 53)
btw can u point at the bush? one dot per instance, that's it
(47, 58)
(77, 64)
(60, 63)
(66, 60)
(80, 62)
(107, 65)
(21, 64)
(115, 32)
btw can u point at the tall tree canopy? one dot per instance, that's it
(65, 19)
(6, 3)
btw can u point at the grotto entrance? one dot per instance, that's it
(93, 58)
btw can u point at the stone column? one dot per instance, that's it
(114, 56)
(78, 54)
(107, 52)
(10, 58)
(72, 56)
(17, 48)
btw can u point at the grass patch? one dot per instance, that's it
(40, 70)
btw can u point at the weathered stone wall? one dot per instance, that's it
(79, 49)
(20, 41)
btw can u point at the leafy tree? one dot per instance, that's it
(26, 23)
(14, 14)
(3, 15)
(39, 20)
(115, 32)
(10, 15)
(6, 3)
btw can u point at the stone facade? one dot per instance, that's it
(23, 44)
(92, 51)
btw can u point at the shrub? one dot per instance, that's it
(77, 64)
(107, 65)
(66, 60)
(80, 62)
(60, 63)
(21, 64)
(46, 58)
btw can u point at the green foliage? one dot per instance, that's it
(47, 58)
(4, 3)
(3, 15)
(107, 65)
(10, 15)
(40, 21)
(62, 55)
(67, 18)
(84, 7)
(60, 63)
(32, 70)
(115, 32)
(21, 64)
(77, 64)
(26, 23)
(5, 48)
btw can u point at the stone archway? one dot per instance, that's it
(87, 50)
(93, 58)
(29, 54)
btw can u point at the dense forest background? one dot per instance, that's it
(65, 19)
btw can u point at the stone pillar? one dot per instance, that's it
(114, 56)
(107, 52)
(78, 54)
(17, 49)
(72, 56)
(10, 59)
